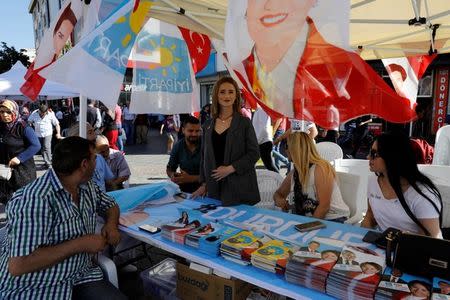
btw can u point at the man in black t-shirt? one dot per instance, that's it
(186, 155)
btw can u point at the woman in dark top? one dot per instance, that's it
(18, 144)
(229, 150)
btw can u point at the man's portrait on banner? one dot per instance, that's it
(269, 39)
(426, 86)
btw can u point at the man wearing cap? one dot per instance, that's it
(43, 122)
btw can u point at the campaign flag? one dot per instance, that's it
(405, 73)
(295, 62)
(165, 59)
(55, 38)
(97, 64)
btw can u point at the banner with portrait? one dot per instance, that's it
(292, 58)
(55, 38)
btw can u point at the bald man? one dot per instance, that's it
(115, 160)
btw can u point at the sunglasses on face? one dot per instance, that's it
(373, 154)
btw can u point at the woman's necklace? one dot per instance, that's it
(224, 120)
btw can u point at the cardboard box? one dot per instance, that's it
(194, 285)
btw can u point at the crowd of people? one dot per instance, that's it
(215, 157)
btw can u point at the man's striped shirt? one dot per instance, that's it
(43, 214)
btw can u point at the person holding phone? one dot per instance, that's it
(400, 196)
(313, 181)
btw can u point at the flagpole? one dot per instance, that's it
(82, 115)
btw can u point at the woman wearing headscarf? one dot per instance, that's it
(18, 144)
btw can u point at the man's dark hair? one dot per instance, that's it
(191, 120)
(69, 153)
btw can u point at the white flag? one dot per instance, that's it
(403, 77)
(163, 77)
(96, 66)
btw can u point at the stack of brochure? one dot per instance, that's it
(176, 231)
(239, 247)
(209, 237)
(356, 274)
(310, 265)
(397, 285)
(273, 256)
(441, 289)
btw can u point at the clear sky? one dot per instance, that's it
(16, 25)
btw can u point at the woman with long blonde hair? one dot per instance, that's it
(313, 181)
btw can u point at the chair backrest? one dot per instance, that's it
(329, 151)
(440, 175)
(437, 173)
(268, 183)
(359, 167)
(348, 184)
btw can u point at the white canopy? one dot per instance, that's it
(12, 80)
(381, 28)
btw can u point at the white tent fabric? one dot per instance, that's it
(378, 28)
(12, 80)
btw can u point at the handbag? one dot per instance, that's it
(419, 255)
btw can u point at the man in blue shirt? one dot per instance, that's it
(103, 175)
(186, 155)
(51, 242)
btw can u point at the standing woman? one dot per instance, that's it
(229, 150)
(400, 196)
(18, 144)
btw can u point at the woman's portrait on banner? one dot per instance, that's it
(272, 46)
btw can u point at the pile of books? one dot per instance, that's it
(356, 274)
(310, 265)
(397, 285)
(273, 256)
(207, 239)
(176, 231)
(239, 247)
(441, 289)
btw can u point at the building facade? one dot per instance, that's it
(43, 12)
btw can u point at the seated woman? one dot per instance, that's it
(400, 196)
(313, 179)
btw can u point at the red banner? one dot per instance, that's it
(440, 99)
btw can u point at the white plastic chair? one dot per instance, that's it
(109, 269)
(437, 173)
(359, 167)
(329, 151)
(268, 183)
(349, 185)
(440, 175)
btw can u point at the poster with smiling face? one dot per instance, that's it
(266, 40)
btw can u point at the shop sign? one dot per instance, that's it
(440, 99)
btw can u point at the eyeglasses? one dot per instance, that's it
(374, 154)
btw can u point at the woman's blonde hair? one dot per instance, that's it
(304, 153)
(215, 107)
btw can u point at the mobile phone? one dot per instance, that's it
(310, 226)
(372, 237)
(181, 195)
(150, 228)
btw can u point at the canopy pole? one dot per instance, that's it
(82, 115)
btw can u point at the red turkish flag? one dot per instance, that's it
(33, 82)
(199, 47)
(420, 63)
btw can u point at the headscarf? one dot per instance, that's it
(12, 106)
